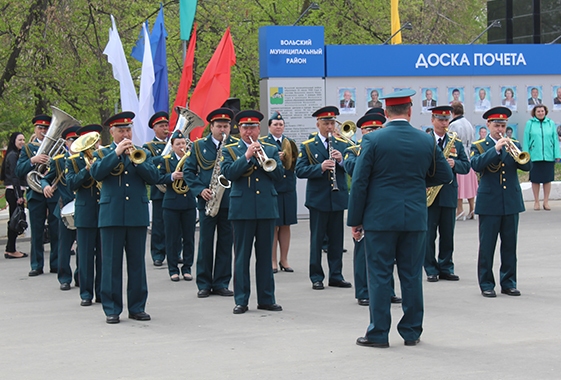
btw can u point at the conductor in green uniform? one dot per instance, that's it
(499, 202)
(322, 165)
(86, 212)
(159, 123)
(123, 219)
(253, 210)
(37, 204)
(214, 268)
(442, 211)
(388, 201)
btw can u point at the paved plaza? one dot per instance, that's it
(46, 334)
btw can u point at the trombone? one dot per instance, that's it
(348, 130)
(268, 164)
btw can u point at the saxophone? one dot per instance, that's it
(218, 183)
(432, 192)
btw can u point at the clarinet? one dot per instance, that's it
(334, 186)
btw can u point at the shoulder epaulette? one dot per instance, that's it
(266, 143)
(308, 141)
(233, 144)
(167, 156)
(313, 133)
(458, 140)
(34, 143)
(263, 137)
(337, 138)
(516, 141)
(75, 156)
(234, 138)
(59, 156)
(478, 141)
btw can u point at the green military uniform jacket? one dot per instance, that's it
(173, 200)
(56, 173)
(288, 182)
(253, 194)
(155, 147)
(499, 190)
(24, 166)
(124, 199)
(318, 189)
(79, 180)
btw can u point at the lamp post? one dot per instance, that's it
(313, 6)
(406, 26)
(494, 24)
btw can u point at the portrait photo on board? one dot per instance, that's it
(347, 100)
(508, 97)
(455, 94)
(535, 96)
(430, 98)
(482, 99)
(481, 132)
(427, 128)
(373, 97)
(512, 131)
(556, 91)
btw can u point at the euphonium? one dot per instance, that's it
(52, 145)
(218, 184)
(268, 164)
(186, 121)
(179, 185)
(334, 186)
(432, 192)
(519, 156)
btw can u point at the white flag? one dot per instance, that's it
(116, 57)
(146, 98)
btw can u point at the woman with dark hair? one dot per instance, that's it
(540, 140)
(15, 187)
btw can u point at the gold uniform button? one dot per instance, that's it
(504, 179)
(126, 172)
(285, 176)
(504, 187)
(257, 191)
(256, 179)
(127, 198)
(503, 164)
(255, 168)
(184, 195)
(503, 172)
(127, 185)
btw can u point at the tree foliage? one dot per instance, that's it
(51, 51)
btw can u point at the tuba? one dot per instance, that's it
(218, 184)
(52, 145)
(520, 157)
(187, 120)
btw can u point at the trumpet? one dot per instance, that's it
(268, 164)
(519, 156)
(136, 155)
(348, 130)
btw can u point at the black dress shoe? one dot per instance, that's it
(158, 263)
(203, 293)
(396, 299)
(240, 309)
(412, 342)
(112, 319)
(340, 284)
(344, 250)
(449, 276)
(53, 270)
(362, 341)
(272, 307)
(432, 278)
(318, 285)
(286, 269)
(65, 286)
(86, 303)
(364, 302)
(224, 292)
(511, 292)
(142, 316)
(35, 272)
(489, 293)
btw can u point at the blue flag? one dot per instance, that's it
(138, 50)
(161, 87)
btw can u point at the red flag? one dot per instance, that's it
(186, 78)
(213, 88)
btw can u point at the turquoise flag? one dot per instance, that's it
(187, 10)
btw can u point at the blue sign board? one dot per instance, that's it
(441, 60)
(291, 51)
